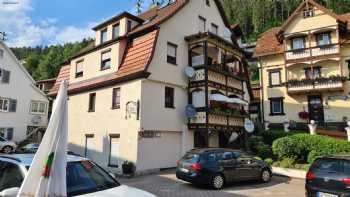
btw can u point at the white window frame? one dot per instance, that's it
(2, 108)
(104, 31)
(37, 111)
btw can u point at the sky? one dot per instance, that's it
(48, 22)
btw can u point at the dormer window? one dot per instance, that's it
(308, 13)
(323, 39)
(104, 36)
(116, 30)
(129, 26)
(298, 43)
(106, 60)
(79, 70)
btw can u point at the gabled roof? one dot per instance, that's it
(118, 17)
(268, 42)
(137, 57)
(301, 7)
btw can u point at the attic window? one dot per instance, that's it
(308, 13)
(207, 2)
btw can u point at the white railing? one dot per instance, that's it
(315, 51)
(323, 83)
(325, 50)
(298, 54)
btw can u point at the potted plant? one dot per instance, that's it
(128, 168)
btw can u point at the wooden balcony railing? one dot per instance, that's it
(312, 52)
(322, 83)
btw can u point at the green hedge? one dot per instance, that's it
(305, 147)
(270, 136)
(257, 145)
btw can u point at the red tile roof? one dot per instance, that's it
(137, 57)
(268, 43)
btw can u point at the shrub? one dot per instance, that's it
(256, 145)
(270, 136)
(269, 161)
(287, 162)
(305, 147)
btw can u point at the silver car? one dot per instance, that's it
(7, 146)
(84, 178)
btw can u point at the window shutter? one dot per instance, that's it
(13, 105)
(5, 76)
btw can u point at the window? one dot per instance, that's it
(92, 102)
(6, 133)
(198, 98)
(323, 39)
(214, 29)
(171, 53)
(106, 60)
(327, 166)
(114, 147)
(89, 145)
(103, 36)
(10, 176)
(348, 62)
(202, 25)
(116, 98)
(276, 106)
(207, 2)
(79, 69)
(37, 107)
(4, 76)
(116, 29)
(129, 26)
(308, 13)
(169, 97)
(275, 78)
(313, 73)
(4, 104)
(298, 43)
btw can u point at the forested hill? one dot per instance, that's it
(45, 62)
(257, 16)
(254, 17)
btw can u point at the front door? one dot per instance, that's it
(201, 139)
(316, 108)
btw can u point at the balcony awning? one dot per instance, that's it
(237, 101)
(218, 97)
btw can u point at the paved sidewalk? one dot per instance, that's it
(165, 184)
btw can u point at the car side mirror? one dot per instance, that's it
(10, 192)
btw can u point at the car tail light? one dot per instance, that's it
(346, 181)
(310, 176)
(196, 167)
(177, 162)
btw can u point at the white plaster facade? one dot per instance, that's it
(22, 90)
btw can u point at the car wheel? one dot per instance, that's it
(218, 181)
(7, 149)
(265, 176)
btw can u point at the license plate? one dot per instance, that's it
(321, 194)
(184, 170)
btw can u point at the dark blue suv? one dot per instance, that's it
(216, 166)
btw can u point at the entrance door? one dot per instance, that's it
(316, 109)
(201, 139)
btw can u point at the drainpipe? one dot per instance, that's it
(261, 92)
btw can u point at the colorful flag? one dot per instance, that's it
(47, 174)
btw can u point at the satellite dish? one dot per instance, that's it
(36, 120)
(248, 125)
(191, 111)
(190, 72)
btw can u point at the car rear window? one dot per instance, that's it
(191, 158)
(327, 165)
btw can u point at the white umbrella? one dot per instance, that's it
(47, 174)
(237, 101)
(218, 97)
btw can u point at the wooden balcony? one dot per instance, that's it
(335, 83)
(313, 52)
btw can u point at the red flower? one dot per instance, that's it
(304, 115)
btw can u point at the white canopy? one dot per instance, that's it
(237, 101)
(218, 97)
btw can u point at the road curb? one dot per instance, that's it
(292, 173)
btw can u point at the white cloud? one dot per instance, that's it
(23, 31)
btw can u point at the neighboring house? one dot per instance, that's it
(128, 92)
(23, 107)
(45, 86)
(305, 66)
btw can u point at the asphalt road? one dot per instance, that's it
(165, 184)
